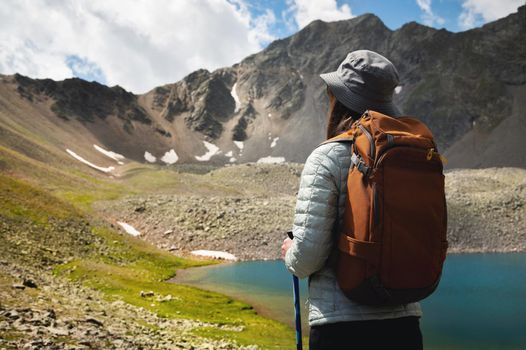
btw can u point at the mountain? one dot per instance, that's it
(468, 87)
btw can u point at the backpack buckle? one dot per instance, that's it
(359, 163)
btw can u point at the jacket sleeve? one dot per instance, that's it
(315, 214)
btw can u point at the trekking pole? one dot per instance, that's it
(297, 313)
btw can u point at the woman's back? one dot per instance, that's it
(321, 199)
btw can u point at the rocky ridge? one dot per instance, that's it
(456, 82)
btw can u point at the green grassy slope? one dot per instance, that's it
(54, 229)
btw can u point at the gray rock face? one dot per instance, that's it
(247, 117)
(203, 96)
(449, 80)
(81, 99)
(212, 104)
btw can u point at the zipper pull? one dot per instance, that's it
(430, 153)
(441, 157)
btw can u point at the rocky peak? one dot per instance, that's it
(87, 101)
(203, 98)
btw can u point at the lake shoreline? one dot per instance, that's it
(468, 283)
(194, 276)
(247, 256)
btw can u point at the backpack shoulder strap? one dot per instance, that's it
(343, 137)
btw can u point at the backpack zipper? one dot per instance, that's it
(376, 214)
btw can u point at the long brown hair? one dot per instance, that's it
(339, 117)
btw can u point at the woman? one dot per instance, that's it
(364, 80)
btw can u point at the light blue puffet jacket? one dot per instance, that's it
(319, 214)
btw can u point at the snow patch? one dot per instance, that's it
(170, 157)
(232, 160)
(212, 150)
(129, 228)
(115, 156)
(233, 92)
(216, 254)
(398, 89)
(229, 154)
(149, 157)
(274, 142)
(239, 144)
(269, 115)
(271, 160)
(99, 168)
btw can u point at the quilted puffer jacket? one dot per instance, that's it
(318, 215)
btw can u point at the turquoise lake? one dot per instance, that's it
(480, 303)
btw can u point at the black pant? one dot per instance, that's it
(397, 333)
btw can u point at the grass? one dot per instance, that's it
(59, 227)
(176, 179)
(69, 184)
(20, 200)
(134, 266)
(82, 188)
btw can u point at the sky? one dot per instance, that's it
(141, 44)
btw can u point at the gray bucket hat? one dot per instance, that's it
(365, 80)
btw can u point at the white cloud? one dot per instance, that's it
(261, 32)
(428, 17)
(306, 11)
(478, 12)
(138, 45)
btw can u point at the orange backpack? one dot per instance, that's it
(393, 241)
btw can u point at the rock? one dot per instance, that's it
(166, 298)
(94, 321)
(18, 286)
(58, 331)
(29, 283)
(12, 314)
(50, 313)
(144, 294)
